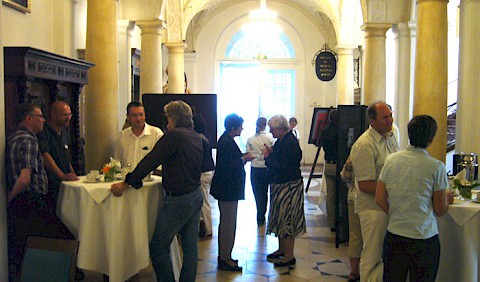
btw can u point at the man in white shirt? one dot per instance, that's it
(136, 141)
(368, 155)
(292, 125)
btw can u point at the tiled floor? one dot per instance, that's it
(317, 257)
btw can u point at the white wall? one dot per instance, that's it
(307, 39)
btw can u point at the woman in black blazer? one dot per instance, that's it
(228, 186)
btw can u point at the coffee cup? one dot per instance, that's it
(96, 173)
(91, 177)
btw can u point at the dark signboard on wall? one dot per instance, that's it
(326, 65)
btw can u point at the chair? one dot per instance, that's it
(49, 260)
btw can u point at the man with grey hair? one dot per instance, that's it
(367, 155)
(180, 151)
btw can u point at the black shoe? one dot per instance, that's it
(287, 263)
(223, 265)
(219, 259)
(275, 256)
(79, 275)
(202, 232)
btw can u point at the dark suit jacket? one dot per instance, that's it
(228, 183)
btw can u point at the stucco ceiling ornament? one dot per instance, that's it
(174, 16)
(378, 11)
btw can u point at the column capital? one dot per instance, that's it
(425, 1)
(126, 26)
(401, 30)
(176, 47)
(376, 26)
(346, 47)
(151, 26)
(346, 51)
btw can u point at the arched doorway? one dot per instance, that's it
(257, 82)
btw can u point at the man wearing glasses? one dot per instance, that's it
(30, 211)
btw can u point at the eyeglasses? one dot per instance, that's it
(36, 115)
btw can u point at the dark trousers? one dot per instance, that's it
(419, 256)
(31, 214)
(260, 180)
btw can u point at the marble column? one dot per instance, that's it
(403, 96)
(374, 62)
(467, 134)
(125, 28)
(101, 99)
(151, 58)
(431, 69)
(176, 67)
(345, 75)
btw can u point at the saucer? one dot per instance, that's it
(95, 181)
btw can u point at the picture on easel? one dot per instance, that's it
(319, 122)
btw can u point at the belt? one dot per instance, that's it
(330, 162)
(177, 194)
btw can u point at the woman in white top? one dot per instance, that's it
(411, 191)
(259, 172)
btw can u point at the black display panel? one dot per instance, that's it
(202, 104)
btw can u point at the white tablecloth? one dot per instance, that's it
(114, 232)
(459, 233)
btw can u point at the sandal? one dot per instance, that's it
(353, 278)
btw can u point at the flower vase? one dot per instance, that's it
(109, 176)
(465, 192)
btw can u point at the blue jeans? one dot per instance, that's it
(260, 180)
(177, 215)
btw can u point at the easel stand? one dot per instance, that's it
(312, 171)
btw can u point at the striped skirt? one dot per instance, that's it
(286, 217)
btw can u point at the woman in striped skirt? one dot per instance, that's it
(286, 218)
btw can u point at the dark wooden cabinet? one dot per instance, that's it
(33, 75)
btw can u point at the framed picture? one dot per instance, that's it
(21, 5)
(319, 121)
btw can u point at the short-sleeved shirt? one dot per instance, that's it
(57, 146)
(23, 152)
(368, 155)
(411, 176)
(131, 149)
(255, 145)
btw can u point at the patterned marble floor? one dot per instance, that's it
(317, 257)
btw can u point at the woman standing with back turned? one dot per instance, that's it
(286, 218)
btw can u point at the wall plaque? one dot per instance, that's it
(22, 5)
(326, 65)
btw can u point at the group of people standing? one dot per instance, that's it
(188, 171)
(393, 199)
(275, 164)
(398, 193)
(37, 161)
